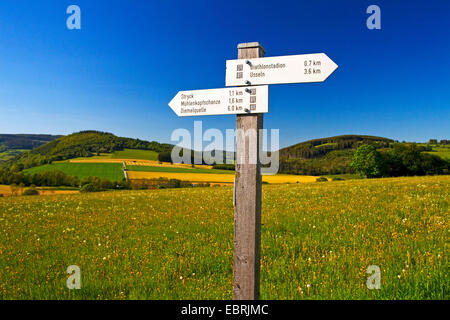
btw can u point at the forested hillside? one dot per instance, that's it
(24, 141)
(12, 145)
(326, 155)
(334, 155)
(81, 144)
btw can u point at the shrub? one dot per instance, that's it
(30, 192)
(337, 179)
(224, 166)
(165, 157)
(174, 183)
(89, 187)
(203, 185)
(321, 179)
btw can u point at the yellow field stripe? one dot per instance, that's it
(5, 190)
(193, 177)
(212, 177)
(140, 162)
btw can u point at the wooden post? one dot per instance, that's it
(247, 212)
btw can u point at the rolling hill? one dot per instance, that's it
(12, 145)
(81, 144)
(326, 156)
(24, 141)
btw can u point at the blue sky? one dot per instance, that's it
(119, 72)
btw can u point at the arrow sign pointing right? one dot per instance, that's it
(315, 67)
(242, 100)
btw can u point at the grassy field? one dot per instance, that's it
(135, 154)
(440, 150)
(124, 154)
(317, 241)
(110, 171)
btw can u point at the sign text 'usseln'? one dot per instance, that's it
(242, 100)
(314, 67)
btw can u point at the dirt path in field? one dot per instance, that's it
(125, 170)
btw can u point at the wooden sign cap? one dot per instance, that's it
(248, 45)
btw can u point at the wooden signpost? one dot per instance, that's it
(248, 70)
(247, 211)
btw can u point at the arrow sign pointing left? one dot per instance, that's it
(242, 100)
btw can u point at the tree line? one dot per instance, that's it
(319, 147)
(56, 178)
(400, 160)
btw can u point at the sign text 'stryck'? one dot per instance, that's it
(242, 100)
(314, 67)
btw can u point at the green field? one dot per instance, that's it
(440, 150)
(317, 241)
(135, 154)
(177, 169)
(125, 154)
(110, 171)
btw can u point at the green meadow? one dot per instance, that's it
(135, 154)
(110, 171)
(318, 239)
(440, 150)
(124, 154)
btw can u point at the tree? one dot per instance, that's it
(165, 157)
(30, 192)
(368, 162)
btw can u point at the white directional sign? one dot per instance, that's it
(285, 69)
(242, 100)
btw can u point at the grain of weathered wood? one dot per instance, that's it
(247, 219)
